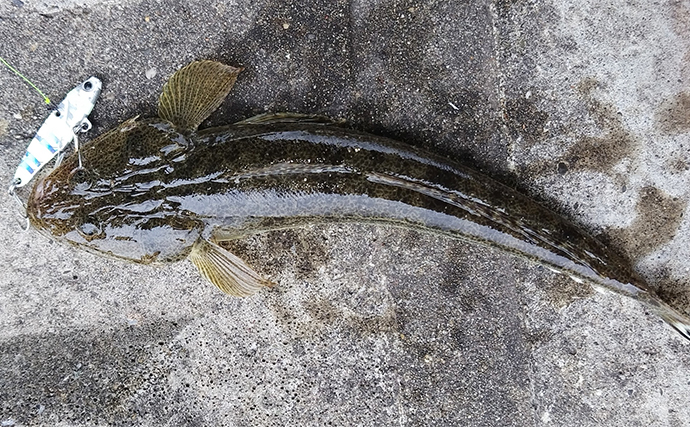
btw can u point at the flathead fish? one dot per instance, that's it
(159, 190)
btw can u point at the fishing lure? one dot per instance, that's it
(58, 130)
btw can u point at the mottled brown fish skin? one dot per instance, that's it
(147, 192)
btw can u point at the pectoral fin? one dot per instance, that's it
(225, 270)
(194, 92)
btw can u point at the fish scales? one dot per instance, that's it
(158, 190)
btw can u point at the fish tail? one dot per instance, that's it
(678, 321)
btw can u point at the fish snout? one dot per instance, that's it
(34, 202)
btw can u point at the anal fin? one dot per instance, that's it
(194, 92)
(225, 270)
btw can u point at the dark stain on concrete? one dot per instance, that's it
(673, 116)
(326, 317)
(452, 336)
(524, 119)
(90, 376)
(297, 57)
(323, 312)
(681, 18)
(402, 89)
(457, 275)
(326, 314)
(503, 7)
(657, 221)
(674, 291)
(292, 249)
(678, 165)
(593, 153)
(556, 289)
(560, 290)
(600, 153)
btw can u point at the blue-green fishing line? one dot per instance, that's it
(45, 98)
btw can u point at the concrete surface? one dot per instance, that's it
(584, 105)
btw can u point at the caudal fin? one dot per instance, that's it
(680, 322)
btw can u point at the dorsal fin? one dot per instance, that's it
(270, 118)
(194, 92)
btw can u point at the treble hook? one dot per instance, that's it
(76, 149)
(25, 216)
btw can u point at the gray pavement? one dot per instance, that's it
(583, 105)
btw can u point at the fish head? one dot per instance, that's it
(109, 200)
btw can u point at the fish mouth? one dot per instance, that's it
(33, 206)
(32, 203)
(46, 213)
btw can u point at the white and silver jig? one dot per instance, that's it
(58, 130)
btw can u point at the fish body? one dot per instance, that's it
(58, 130)
(158, 190)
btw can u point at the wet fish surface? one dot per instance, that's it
(159, 190)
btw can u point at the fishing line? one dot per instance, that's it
(25, 223)
(45, 98)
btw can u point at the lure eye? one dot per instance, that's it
(87, 86)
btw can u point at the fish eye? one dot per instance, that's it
(90, 228)
(87, 85)
(78, 175)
